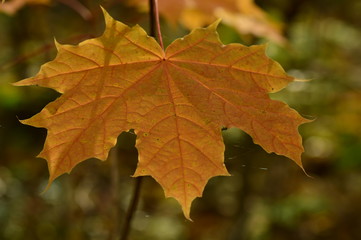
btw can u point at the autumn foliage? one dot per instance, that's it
(176, 100)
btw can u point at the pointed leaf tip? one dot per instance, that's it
(105, 13)
(214, 25)
(57, 44)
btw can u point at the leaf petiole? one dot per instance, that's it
(155, 24)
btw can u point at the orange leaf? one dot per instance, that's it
(176, 100)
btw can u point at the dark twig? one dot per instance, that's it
(115, 197)
(78, 7)
(152, 18)
(131, 209)
(41, 50)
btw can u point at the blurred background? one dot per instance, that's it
(267, 196)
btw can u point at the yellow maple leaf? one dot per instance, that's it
(176, 101)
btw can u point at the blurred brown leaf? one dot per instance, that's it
(244, 15)
(12, 6)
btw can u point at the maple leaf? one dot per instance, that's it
(176, 101)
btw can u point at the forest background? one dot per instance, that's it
(267, 196)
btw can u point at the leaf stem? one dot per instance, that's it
(154, 22)
(131, 209)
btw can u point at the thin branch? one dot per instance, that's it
(151, 18)
(78, 7)
(41, 50)
(115, 198)
(131, 209)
